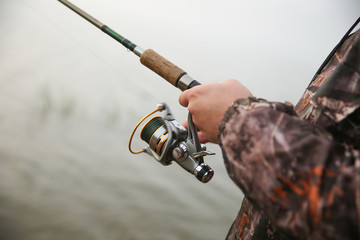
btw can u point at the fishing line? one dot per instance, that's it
(168, 141)
(50, 22)
(149, 58)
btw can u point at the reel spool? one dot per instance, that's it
(169, 141)
(155, 134)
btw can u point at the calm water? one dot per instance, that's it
(70, 97)
(65, 171)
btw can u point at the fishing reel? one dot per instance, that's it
(169, 141)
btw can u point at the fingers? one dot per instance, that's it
(188, 95)
(202, 138)
(184, 98)
(185, 124)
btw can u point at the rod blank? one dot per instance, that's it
(149, 58)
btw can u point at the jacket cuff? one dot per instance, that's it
(251, 103)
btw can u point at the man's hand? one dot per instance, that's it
(208, 104)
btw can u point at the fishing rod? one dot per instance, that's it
(149, 58)
(168, 140)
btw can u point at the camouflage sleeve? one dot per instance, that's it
(307, 184)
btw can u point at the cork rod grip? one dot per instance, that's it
(166, 69)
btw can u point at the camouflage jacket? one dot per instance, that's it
(299, 167)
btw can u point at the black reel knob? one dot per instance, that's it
(203, 172)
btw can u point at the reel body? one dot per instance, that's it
(169, 141)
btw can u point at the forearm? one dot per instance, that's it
(294, 172)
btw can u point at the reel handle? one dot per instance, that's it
(167, 70)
